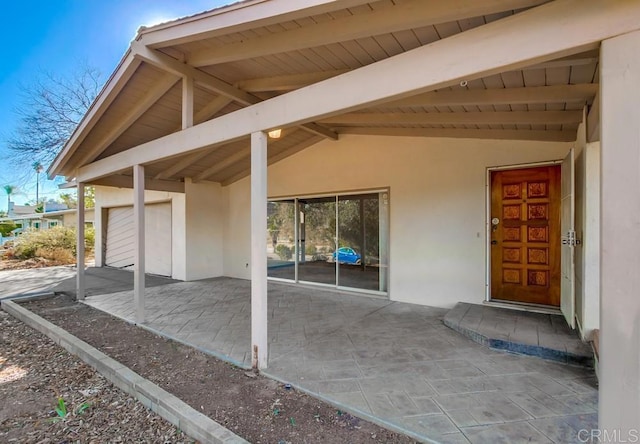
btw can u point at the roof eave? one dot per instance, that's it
(97, 107)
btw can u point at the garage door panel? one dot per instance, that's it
(120, 239)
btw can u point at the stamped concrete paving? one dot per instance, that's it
(395, 363)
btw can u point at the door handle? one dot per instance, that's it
(494, 242)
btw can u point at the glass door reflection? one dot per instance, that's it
(316, 245)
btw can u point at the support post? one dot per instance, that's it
(139, 244)
(259, 338)
(187, 102)
(80, 274)
(619, 404)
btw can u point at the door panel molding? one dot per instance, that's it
(528, 267)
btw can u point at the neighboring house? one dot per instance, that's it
(25, 218)
(459, 149)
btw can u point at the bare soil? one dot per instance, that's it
(35, 373)
(255, 407)
(39, 262)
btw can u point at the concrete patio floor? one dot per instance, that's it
(394, 363)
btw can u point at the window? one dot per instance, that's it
(337, 240)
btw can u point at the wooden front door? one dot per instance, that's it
(525, 235)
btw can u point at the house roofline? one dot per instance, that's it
(224, 19)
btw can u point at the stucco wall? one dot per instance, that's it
(205, 216)
(437, 205)
(588, 231)
(71, 219)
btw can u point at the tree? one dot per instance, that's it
(51, 110)
(37, 166)
(89, 198)
(9, 189)
(69, 200)
(6, 227)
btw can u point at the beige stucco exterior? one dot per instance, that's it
(437, 209)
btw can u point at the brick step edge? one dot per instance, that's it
(195, 424)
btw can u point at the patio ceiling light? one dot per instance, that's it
(275, 134)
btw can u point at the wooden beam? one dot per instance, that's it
(259, 309)
(208, 81)
(274, 159)
(204, 114)
(204, 79)
(187, 102)
(211, 109)
(464, 118)
(497, 134)
(319, 130)
(235, 157)
(139, 243)
(238, 17)
(182, 164)
(582, 59)
(408, 14)
(287, 82)
(532, 36)
(504, 96)
(80, 250)
(123, 181)
(126, 68)
(154, 94)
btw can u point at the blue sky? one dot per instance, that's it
(59, 35)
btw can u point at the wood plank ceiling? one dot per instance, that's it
(541, 102)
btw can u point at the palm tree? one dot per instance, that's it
(37, 166)
(9, 189)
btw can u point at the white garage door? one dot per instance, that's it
(120, 239)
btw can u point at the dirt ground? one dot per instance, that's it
(38, 262)
(254, 407)
(35, 373)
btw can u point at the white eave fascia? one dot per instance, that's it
(236, 17)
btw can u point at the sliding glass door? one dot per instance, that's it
(337, 240)
(281, 239)
(358, 253)
(317, 235)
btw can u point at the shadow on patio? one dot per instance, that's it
(394, 363)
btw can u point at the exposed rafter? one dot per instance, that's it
(319, 130)
(506, 96)
(154, 94)
(204, 114)
(405, 15)
(498, 134)
(534, 36)
(211, 109)
(208, 81)
(124, 181)
(167, 63)
(182, 164)
(275, 158)
(582, 59)
(464, 118)
(220, 166)
(288, 82)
